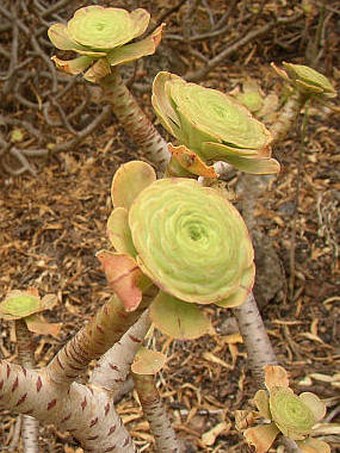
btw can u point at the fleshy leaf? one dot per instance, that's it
(311, 445)
(162, 105)
(124, 277)
(37, 324)
(178, 319)
(275, 376)
(60, 38)
(254, 166)
(261, 400)
(129, 180)
(314, 403)
(19, 304)
(293, 418)
(191, 161)
(261, 437)
(119, 232)
(131, 52)
(239, 296)
(148, 362)
(74, 66)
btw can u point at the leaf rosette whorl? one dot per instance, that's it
(306, 80)
(105, 28)
(290, 414)
(98, 33)
(212, 124)
(185, 239)
(190, 241)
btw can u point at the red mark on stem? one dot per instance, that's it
(112, 448)
(92, 437)
(134, 339)
(112, 430)
(15, 384)
(67, 417)
(51, 404)
(38, 384)
(83, 404)
(21, 400)
(93, 422)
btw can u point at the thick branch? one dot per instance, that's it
(114, 366)
(287, 116)
(30, 426)
(134, 120)
(259, 349)
(93, 340)
(161, 428)
(88, 413)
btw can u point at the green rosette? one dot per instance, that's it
(212, 124)
(309, 81)
(190, 241)
(19, 304)
(100, 33)
(102, 28)
(291, 415)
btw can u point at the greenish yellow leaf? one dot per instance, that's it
(119, 232)
(129, 180)
(178, 319)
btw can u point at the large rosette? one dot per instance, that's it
(186, 239)
(190, 241)
(212, 124)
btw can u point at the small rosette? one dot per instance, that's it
(102, 37)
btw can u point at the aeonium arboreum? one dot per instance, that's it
(306, 80)
(28, 306)
(292, 415)
(102, 37)
(212, 124)
(186, 239)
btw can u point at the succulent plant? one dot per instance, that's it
(307, 80)
(102, 37)
(292, 415)
(212, 124)
(27, 305)
(188, 240)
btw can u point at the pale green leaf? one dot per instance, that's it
(178, 319)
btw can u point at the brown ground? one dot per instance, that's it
(52, 225)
